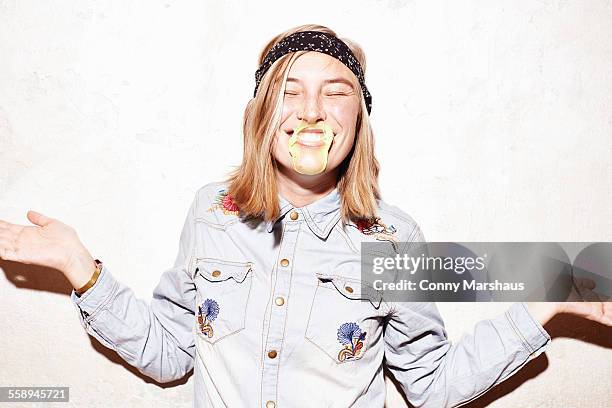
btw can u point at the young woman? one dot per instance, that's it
(264, 300)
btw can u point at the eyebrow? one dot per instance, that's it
(327, 81)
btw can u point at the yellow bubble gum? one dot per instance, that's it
(310, 160)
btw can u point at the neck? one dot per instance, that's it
(303, 190)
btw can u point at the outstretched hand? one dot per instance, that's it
(583, 301)
(596, 307)
(49, 243)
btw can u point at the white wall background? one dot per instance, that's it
(493, 122)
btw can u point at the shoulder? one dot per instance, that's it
(407, 229)
(391, 224)
(214, 205)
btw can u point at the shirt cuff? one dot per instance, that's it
(96, 297)
(529, 331)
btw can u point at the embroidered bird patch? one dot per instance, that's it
(380, 231)
(207, 312)
(352, 338)
(224, 201)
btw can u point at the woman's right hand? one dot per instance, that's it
(48, 243)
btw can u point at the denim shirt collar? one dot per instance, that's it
(320, 216)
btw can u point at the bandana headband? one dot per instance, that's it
(320, 42)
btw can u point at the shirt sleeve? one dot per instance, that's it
(157, 339)
(433, 372)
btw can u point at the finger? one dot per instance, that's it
(598, 310)
(599, 296)
(38, 218)
(601, 310)
(607, 319)
(590, 296)
(586, 283)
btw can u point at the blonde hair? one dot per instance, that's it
(253, 184)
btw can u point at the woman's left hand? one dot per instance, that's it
(595, 306)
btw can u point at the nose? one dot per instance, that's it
(311, 110)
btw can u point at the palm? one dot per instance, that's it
(594, 306)
(598, 311)
(46, 245)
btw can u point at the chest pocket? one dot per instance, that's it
(343, 317)
(223, 289)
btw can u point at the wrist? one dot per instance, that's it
(80, 269)
(544, 311)
(92, 281)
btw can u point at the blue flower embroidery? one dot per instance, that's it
(207, 312)
(351, 337)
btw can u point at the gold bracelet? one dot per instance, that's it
(93, 279)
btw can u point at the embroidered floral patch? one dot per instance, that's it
(225, 202)
(352, 338)
(375, 227)
(207, 312)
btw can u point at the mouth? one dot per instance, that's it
(309, 137)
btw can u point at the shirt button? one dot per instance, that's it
(279, 301)
(270, 404)
(294, 215)
(349, 289)
(216, 273)
(272, 353)
(284, 262)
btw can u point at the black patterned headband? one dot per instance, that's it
(320, 42)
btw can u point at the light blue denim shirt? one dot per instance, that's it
(270, 315)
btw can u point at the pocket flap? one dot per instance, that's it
(217, 270)
(352, 288)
